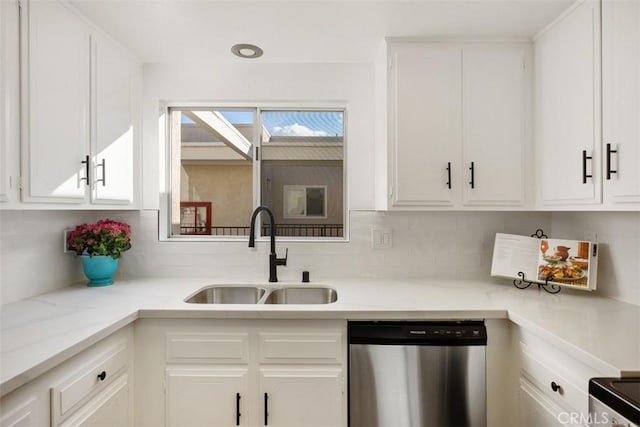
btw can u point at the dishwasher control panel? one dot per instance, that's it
(467, 332)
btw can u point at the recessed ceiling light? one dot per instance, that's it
(244, 50)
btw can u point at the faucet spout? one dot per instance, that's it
(274, 261)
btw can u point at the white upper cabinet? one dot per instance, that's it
(458, 124)
(621, 101)
(112, 142)
(10, 96)
(56, 82)
(567, 56)
(425, 116)
(496, 110)
(79, 123)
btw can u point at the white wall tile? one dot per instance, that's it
(619, 248)
(425, 245)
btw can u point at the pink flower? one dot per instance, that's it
(106, 237)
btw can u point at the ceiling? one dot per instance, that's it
(299, 31)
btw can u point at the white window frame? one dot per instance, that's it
(165, 107)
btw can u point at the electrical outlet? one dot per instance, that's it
(381, 238)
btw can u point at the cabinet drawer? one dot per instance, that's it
(207, 348)
(85, 382)
(536, 409)
(321, 348)
(543, 376)
(110, 408)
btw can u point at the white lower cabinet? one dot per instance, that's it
(22, 412)
(110, 408)
(536, 409)
(553, 385)
(93, 388)
(206, 396)
(240, 373)
(301, 397)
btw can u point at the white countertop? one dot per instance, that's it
(39, 332)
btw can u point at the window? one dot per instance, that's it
(303, 201)
(227, 161)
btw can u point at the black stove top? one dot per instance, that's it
(620, 394)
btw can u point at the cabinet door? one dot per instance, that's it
(536, 410)
(206, 397)
(621, 100)
(10, 96)
(56, 46)
(109, 409)
(568, 108)
(425, 124)
(113, 118)
(24, 415)
(495, 96)
(301, 397)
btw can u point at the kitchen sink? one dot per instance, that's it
(302, 295)
(227, 295)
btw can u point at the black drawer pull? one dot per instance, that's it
(472, 169)
(555, 387)
(449, 175)
(102, 375)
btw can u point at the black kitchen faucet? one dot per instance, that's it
(274, 261)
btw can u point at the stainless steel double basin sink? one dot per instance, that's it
(250, 294)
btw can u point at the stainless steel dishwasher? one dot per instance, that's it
(418, 374)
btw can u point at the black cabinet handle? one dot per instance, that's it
(103, 165)
(238, 409)
(449, 175)
(266, 412)
(609, 170)
(102, 375)
(584, 166)
(555, 387)
(472, 169)
(85, 162)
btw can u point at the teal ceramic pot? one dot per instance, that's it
(99, 269)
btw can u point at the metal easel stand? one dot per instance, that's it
(523, 283)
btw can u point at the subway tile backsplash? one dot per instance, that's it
(425, 245)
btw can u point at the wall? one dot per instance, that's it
(619, 248)
(228, 188)
(425, 245)
(31, 252)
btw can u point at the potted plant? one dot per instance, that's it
(100, 246)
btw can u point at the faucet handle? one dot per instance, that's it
(283, 261)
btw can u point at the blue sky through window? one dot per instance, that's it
(303, 123)
(290, 123)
